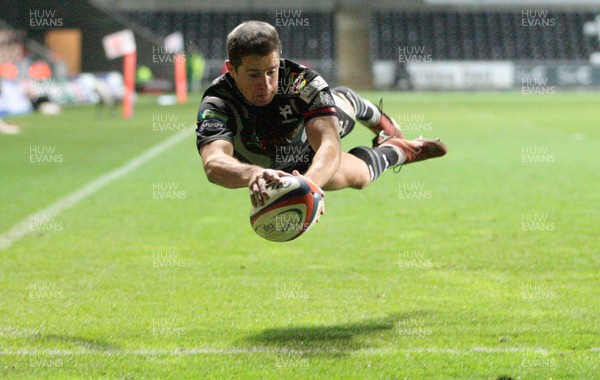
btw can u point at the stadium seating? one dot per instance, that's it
(442, 34)
(483, 35)
(208, 32)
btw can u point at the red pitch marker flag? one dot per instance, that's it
(180, 79)
(118, 45)
(129, 65)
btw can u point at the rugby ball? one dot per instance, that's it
(293, 207)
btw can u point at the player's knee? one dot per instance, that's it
(342, 90)
(362, 181)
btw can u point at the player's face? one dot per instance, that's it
(257, 78)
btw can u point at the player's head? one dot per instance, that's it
(254, 49)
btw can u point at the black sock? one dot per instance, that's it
(377, 159)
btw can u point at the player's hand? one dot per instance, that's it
(319, 190)
(258, 184)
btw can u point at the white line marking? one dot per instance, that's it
(23, 228)
(266, 350)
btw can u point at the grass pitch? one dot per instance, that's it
(481, 265)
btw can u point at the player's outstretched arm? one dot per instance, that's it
(324, 138)
(223, 169)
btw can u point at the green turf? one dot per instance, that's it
(475, 266)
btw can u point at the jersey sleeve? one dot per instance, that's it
(318, 97)
(213, 122)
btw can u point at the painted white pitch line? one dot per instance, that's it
(23, 228)
(263, 350)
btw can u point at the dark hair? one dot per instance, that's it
(251, 38)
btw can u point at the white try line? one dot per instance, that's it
(23, 228)
(284, 351)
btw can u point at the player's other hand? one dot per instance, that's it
(319, 190)
(258, 184)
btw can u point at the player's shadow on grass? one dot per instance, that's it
(88, 344)
(333, 340)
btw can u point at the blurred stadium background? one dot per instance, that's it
(420, 45)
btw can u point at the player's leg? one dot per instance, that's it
(362, 165)
(368, 113)
(345, 112)
(352, 172)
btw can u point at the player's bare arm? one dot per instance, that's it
(223, 169)
(325, 140)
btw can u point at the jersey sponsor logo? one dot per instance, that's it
(211, 125)
(212, 114)
(290, 121)
(210, 128)
(312, 89)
